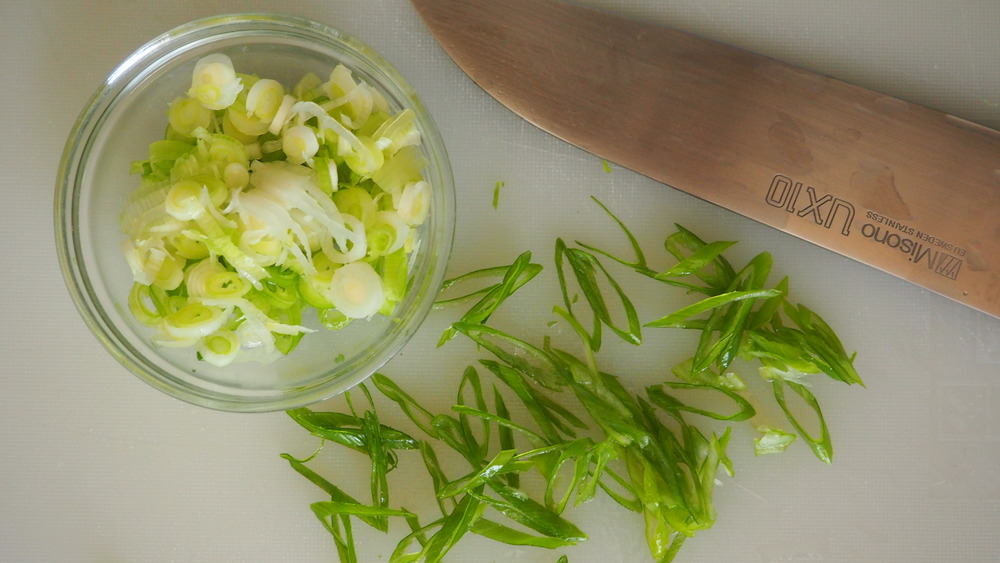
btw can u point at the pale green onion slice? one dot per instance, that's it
(136, 261)
(253, 314)
(229, 128)
(264, 99)
(300, 144)
(220, 348)
(282, 115)
(356, 290)
(214, 82)
(395, 273)
(280, 189)
(414, 202)
(248, 125)
(315, 288)
(363, 162)
(324, 267)
(145, 198)
(271, 146)
(313, 228)
(194, 320)
(772, 441)
(187, 114)
(315, 292)
(143, 305)
(387, 234)
(215, 192)
(356, 99)
(356, 201)
(361, 157)
(256, 341)
(236, 176)
(398, 132)
(268, 221)
(356, 247)
(254, 151)
(405, 167)
(171, 273)
(151, 264)
(209, 279)
(189, 245)
(379, 103)
(333, 319)
(326, 174)
(186, 166)
(152, 223)
(309, 87)
(774, 373)
(184, 200)
(221, 244)
(223, 149)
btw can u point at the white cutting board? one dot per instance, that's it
(96, 466)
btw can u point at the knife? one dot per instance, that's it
(895, 185)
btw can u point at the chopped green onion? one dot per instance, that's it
(397, 132)
(643, 453)
(333, 319)
(282, 115)
(247, 216)
(210, 280)
(146, 304)
(245, 122)
(354, 101)
(772, 441)
(356, 290)
(214, 82)
(194, 320)
(326, 174)
(299, 144)
(395, 274)
(309, 87)
(184, 200)
(220, 348)
(187, 114)
(414, 202)
(401, 169)
(496, 193)
(264, 98)
(386, 234)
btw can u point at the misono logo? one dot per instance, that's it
(825, 210)
(832, 212)
(937, 261)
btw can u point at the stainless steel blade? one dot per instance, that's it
(901, 187)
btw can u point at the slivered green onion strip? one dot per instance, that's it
(640, 449)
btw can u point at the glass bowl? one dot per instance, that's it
(128, 112)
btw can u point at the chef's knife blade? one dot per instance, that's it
(901, 187)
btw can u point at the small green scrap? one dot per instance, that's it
(496, 193)
(772, 441)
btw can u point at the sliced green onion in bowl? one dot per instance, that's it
(328, 240)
